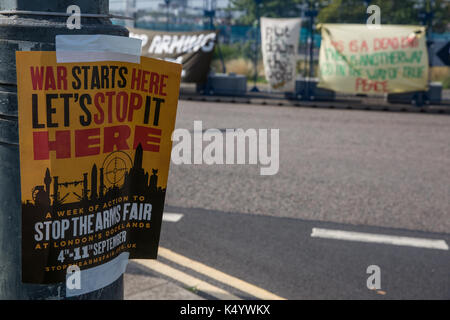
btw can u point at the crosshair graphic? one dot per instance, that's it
(115, 166)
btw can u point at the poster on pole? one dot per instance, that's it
(194, 50)
(95, 144)
(279, 41)
(357, 60)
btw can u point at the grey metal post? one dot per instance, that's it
(35, 32)
(311, 13)
(167, 13)
(256, 48)
(130, 11)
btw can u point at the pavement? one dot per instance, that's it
(141, 283)
(245, 236)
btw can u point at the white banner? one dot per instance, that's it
(279, 50)
(355, 59)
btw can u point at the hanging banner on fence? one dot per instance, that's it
(95, 144)
(279, 40)
(356, 59)
(194, 50)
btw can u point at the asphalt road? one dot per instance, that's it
(376, 172)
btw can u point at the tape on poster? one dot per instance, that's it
(97, 47)
(101, 276)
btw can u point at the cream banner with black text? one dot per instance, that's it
(356, 59)
(279, 50)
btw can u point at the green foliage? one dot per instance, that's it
(354, 11)
(441, 20)
(248, 50)
(348, 11)
(398, 12)
(267, 8)
(392, 12)
(229, 51)
(446, 83)
(236, 50)
(343, 11)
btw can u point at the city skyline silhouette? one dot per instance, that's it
(119, 178)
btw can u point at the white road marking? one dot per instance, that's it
(188, 280)
(379, 238)
(172, 217)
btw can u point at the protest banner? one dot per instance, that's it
(95, 143)
(356, 59)
(194, 50)
(279, 39)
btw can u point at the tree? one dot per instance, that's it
(441, 13)
(398, 12)
(267, 8)
(392, 12)
(348, 11)
(342, 11)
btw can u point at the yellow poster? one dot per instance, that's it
(356, 59)
(95, 143)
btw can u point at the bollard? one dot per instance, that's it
(32, 26)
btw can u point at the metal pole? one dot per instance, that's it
(167, 14)
(21, 32)
(255, 58)
(210, 11)
(430, 42)
(311, 47)
(427, 19)
(131, 11)
(311, 13)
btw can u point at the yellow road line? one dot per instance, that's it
(186, 279)
(218, 275)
